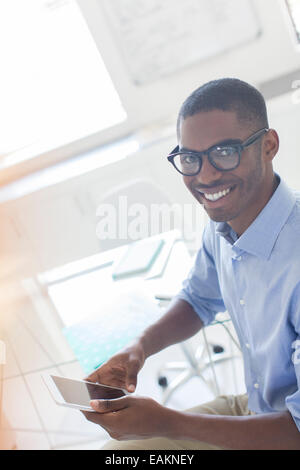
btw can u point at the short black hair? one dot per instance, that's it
(227, 94)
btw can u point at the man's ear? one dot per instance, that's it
(270, 145)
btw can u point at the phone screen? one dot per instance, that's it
(80, 393)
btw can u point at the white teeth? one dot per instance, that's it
(216, 196)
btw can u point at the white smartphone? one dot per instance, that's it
(78, 393)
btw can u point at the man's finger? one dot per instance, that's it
(131, 382)
(91, 378)
(132, 375)
(106, 406)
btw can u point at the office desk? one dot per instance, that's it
(100, 315)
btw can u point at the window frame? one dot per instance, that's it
(295, 36)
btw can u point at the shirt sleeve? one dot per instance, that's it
(201, 288)
(293, 401)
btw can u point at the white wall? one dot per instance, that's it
(285, 118)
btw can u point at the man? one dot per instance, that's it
(248, 265)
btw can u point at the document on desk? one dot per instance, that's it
(95, 339)
(139, 258)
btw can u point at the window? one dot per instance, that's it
(294, 11)
(55, 88)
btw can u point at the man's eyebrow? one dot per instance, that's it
(219, 144)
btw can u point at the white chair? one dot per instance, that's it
(206, 356)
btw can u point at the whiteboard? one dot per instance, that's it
(159, 37)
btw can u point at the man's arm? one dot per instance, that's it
(271, 431)
(180, 323)
(133, 417)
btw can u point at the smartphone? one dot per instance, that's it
(78, 393)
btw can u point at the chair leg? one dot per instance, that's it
(207, 356)
(177, 382)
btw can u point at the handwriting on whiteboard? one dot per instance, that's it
(160, 37)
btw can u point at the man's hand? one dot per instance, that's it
(122, 369)
(132, 417)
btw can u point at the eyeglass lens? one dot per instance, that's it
(223, 158)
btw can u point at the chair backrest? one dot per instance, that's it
(132, 206)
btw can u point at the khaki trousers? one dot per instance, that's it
(223, 405)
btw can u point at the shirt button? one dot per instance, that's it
(256, 385)
(239, 258)
(242, 302)
(247, 345)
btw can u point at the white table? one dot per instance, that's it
(78, 289)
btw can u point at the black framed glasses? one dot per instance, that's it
(223, 157)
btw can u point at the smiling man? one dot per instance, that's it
(250, 246)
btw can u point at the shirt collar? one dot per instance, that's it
(260, 237)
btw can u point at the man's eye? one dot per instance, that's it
(225, 151)
(188, 159)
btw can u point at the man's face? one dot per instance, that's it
(247, 183)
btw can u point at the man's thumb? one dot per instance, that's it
(131, 387)
(132, 378)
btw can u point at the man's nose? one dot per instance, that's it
(208, 174)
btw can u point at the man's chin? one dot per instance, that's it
(215, 218)
(217, 215)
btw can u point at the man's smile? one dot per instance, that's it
(215, 194)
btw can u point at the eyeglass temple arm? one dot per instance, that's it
(255, 137)
(248, 142)
(176, 150)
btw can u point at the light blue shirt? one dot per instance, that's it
(256, 279)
